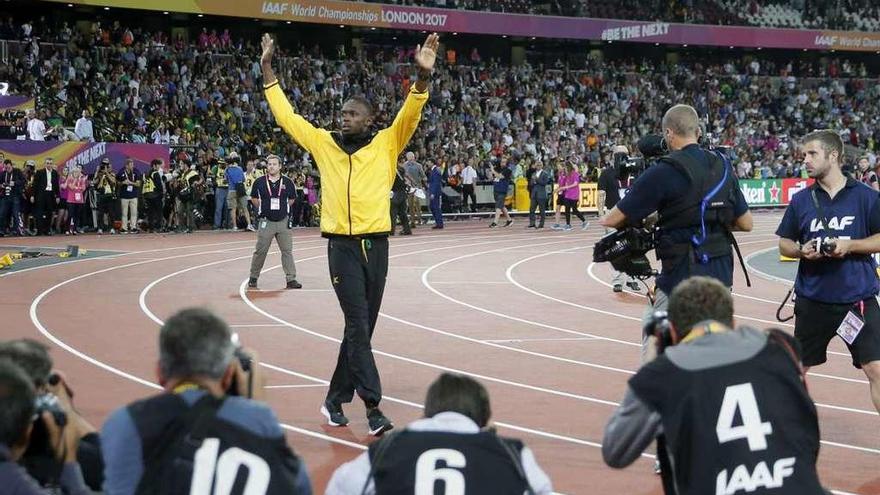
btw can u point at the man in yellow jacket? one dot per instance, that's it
(357, 166)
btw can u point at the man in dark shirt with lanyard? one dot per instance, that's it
(833, 227)
(272, 196)
(669, 188)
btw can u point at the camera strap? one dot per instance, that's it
(819, 209)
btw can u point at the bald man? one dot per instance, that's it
(690, 240)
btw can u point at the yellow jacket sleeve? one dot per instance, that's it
(407, 119)
(303, 132)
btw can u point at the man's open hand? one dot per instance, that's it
(268, 45)
(426, 54)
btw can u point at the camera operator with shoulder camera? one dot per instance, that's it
(614, 177)
(698, 201)
(204, 426)
(105, 192)
(728, 406)
(833, 227)
(44, 457)
(18, 418)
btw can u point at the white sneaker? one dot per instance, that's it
(584, 225)
(556, 226)
(251, 228)
(566, 228)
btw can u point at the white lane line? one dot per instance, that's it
(307, 385)
(560, 339)
(254, 325)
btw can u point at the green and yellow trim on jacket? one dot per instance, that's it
(354, 187)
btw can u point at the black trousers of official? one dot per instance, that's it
(44, 205)
(358, 268)
(398, 213)
(467, 191)
(154, 212)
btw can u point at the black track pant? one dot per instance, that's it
(358, 268)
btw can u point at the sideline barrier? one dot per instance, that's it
(89, 155)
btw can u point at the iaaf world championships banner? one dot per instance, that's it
(449, 20)
(89, 155)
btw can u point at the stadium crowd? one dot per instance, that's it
(848, 15)
(114, 83)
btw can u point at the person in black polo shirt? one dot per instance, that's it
(731, 403)
(834, 228)
(272, 196)
(453, 432)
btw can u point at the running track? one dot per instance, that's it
(523, 311)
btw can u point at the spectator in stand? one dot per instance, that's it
(84, 129)
(866, 175)
(36, 128)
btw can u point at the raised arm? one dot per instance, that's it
(410, 114)
(303, 132)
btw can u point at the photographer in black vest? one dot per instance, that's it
(451, 444)
(731, 403)
(202, 429)
(698, 201)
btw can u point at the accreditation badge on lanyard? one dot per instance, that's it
(275, 200)
(852, 324)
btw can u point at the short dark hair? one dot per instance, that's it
(362, 100)
(829, 140)
(17, 396)
(155, 161)
(699, 299)
(195, 342)
(461, 394)
(31, 356)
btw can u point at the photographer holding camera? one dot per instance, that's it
(18, 418)
(698, 201)
(44, 454)
(833, 227)
(202, 428)
(736, 394)
(105, 187)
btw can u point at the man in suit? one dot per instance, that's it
(538, 195)
(435, 191)
(46, 196)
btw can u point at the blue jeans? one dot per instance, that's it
(436, 209)
(219, 206)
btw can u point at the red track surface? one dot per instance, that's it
(516, 308)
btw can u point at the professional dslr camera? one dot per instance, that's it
(39, 458)
(658, 326)
(628, 166)
(626, 249)
(247, 362)
(825, 246)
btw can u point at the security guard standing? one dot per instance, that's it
(698, 201)
(154, 191)
(357, 169)
(272, 195)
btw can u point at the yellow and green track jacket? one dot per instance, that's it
(355, 184)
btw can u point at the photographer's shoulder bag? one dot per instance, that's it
(240, 190)
(189, 449)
